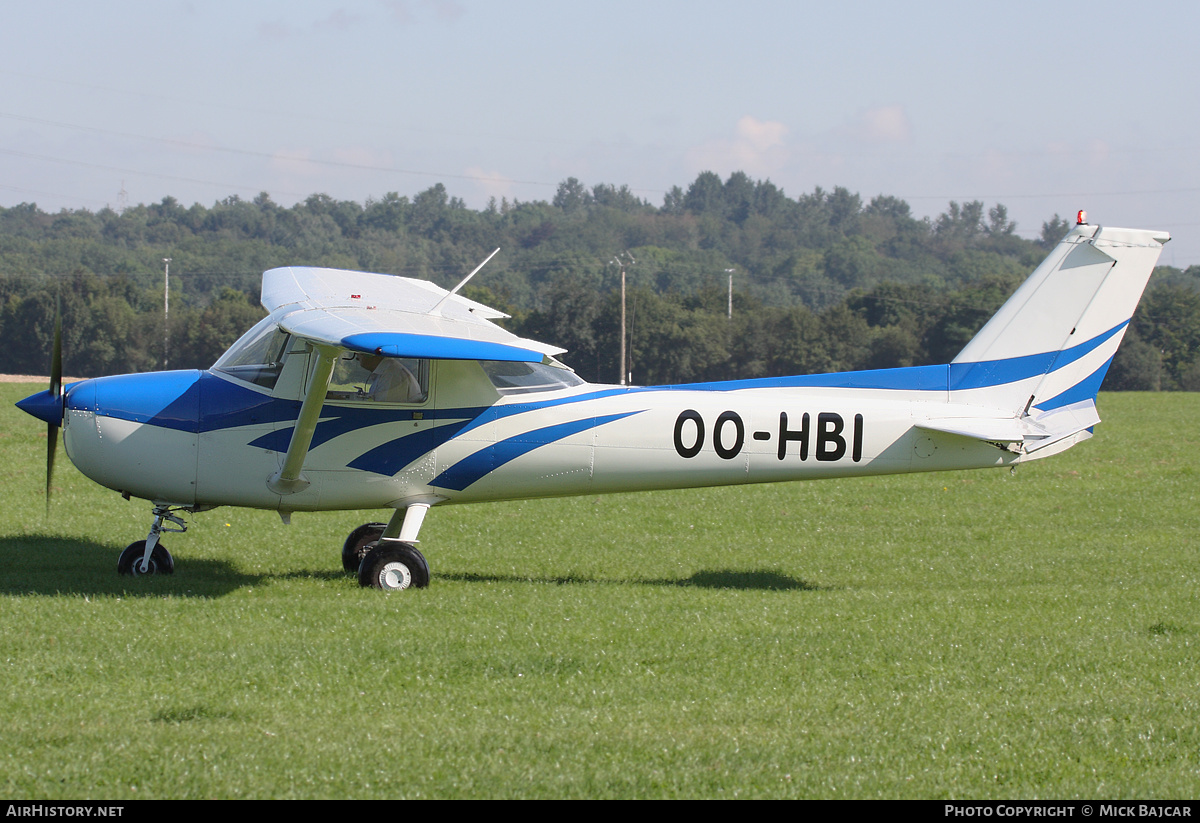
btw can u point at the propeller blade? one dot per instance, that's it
(56, 392)
(56, 358)
(51, 447)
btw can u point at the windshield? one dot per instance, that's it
(257, 356)
(524, 378)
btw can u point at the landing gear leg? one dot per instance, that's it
(393, 563)
(410, 524)
(149, 556)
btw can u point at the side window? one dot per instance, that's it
(370, 378)
(526, 378)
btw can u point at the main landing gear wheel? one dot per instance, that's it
(358, 543)
(393, 566)
(130, 561)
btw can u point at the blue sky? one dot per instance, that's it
(1046, 107)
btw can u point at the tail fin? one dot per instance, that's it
(1050, 345)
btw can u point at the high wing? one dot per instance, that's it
(338, 310)
(390, 316)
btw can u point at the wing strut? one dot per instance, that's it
(289, 480)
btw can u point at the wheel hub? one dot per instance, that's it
(395, 576)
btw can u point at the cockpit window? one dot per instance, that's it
(525, 378)
(369, 377)
(257, 356)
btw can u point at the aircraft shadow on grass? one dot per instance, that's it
(714, 579)
(35, 564)
(50, 565)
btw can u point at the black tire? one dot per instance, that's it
(357, 544)
(130, 560)
(393, 566)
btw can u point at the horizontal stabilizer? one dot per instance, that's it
(1028, 433)
(1061, 423)
(987, 429)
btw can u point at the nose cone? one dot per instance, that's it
(45, 405)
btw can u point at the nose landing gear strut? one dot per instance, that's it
(149, 556)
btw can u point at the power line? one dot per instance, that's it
(174, 177)
(337, 164)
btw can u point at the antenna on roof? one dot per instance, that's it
(454, 290)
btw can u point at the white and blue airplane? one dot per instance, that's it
(368, 391)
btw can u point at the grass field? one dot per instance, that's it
(958, 635)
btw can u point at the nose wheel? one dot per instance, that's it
(131, 560)
(148, 556)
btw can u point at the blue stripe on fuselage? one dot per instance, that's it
(338, 420)
(394, 455)
(190, 401)
(997, 372)
(1085, 389)
(488, 459)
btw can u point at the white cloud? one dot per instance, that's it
(883, 124)
(402, 11)
(368, 158)
(490, 183)
(294, 161)
(759, 135)
(338, 19)
(758, 147)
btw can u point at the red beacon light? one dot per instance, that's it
(1081, 218)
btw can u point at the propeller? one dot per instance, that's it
(56, 394)
(48, 405)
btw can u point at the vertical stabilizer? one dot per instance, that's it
(1050, 345)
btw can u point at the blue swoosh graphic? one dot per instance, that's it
(996, 372)
(1085, 389)
(336, 421)
(394, 455)
(486, 460)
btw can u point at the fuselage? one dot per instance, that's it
(203, 438)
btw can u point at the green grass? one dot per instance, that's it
(958, 635)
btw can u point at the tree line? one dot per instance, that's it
(821, 282)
